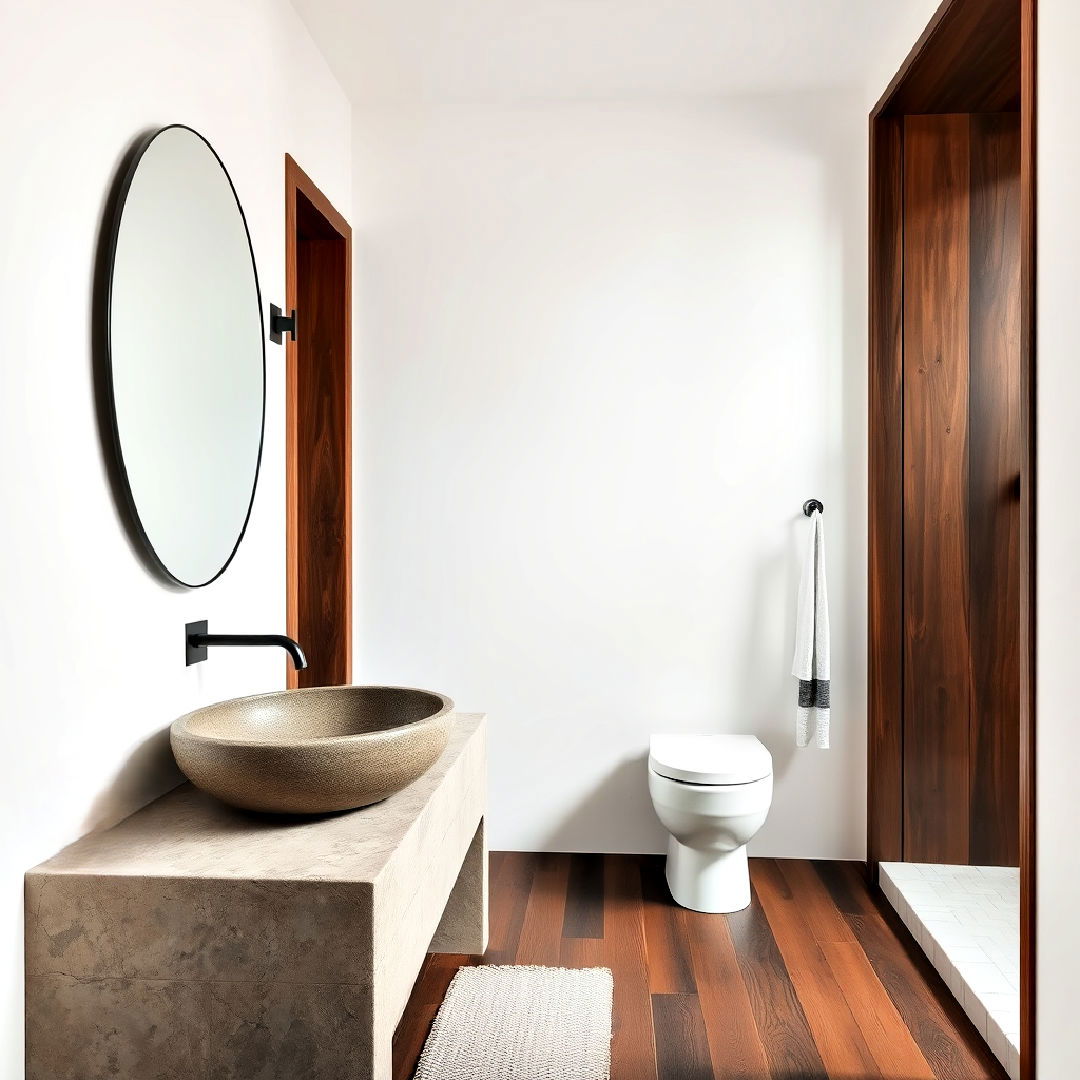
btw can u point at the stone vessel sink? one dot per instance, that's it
(312, 751)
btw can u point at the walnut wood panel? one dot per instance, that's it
(815, 981)
(937, 650)
(979, 56)
(318, 260)
(967, 60)
(1027, 641)
(885, 705)
(961, 516)
(993, 488)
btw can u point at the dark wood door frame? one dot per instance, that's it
(318, 431)
(974, 56)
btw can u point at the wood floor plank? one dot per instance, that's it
(824, 921)
(509, 891)
(734, 1041)
(633, 1044)
(431, 985)
(897, 1054)
(768, 987)
(847, 885)
(582, 952)
(584, 898)
(670, 969)
(682, 1050)
(839, 1040)
(785, 1034)
(936, 1022)
(440, 973)
(410, 1037)
(541, 928)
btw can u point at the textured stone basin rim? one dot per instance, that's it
(312, 751)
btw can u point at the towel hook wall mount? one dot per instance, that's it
(811, 505)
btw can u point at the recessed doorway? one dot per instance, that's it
(318, 426)
(951, 699)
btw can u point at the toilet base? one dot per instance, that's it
(712, 881)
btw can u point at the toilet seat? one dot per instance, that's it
(709, 759)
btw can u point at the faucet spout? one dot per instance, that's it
(197, 641)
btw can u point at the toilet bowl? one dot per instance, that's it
(712, 793)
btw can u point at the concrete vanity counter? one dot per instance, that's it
(193, 940)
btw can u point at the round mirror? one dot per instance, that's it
(186, 359)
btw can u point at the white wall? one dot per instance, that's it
(605, 351)
(1058, 510)
(90, 644)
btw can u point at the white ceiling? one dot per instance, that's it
(386, 51)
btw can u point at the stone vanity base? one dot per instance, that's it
(196, 941)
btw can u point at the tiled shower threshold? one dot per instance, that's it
(967, 920)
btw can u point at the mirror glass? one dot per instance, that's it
(186, 355)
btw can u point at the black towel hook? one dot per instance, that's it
(811, 505)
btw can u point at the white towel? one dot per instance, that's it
(811, 664)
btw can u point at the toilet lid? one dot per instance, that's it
(710, 759)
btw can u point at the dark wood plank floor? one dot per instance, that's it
(816, 980)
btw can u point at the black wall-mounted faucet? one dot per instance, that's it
(197, 640)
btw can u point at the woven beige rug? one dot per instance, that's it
(522, 1023)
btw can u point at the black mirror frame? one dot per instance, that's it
(111, 238)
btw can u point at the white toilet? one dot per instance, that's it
(712, 793)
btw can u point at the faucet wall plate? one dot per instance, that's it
(195, 654)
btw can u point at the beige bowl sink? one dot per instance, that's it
(312, 751)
